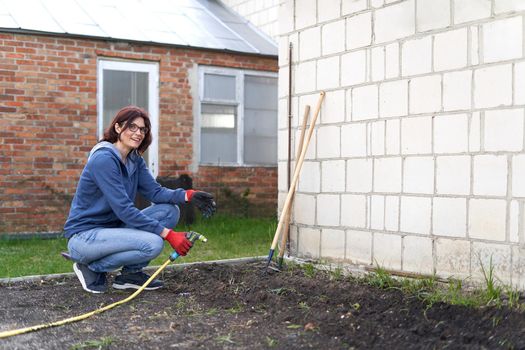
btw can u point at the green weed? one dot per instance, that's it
(271, 342)
(309, 270)
(225, 339)
(304, 306)
(380, 278)
(492, 291)
(235, 309)
(337, 274)
(93, 344)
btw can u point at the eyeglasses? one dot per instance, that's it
(134, 127)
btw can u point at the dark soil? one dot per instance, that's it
(237, 307)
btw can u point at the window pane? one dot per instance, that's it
(218, 134)
(260, 120)
(123, 88)
(219, 87)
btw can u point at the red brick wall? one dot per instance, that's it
(48, 123)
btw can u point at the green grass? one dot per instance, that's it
(102, 343)
(430, 291)
(228, 237)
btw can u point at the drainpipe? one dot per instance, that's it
(289, 131)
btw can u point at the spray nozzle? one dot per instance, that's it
(192, 236)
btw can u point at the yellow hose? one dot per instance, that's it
(14, 332)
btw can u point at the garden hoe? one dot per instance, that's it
(286, 232)
(288, 202)
(192, 237)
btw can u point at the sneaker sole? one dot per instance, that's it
(132, 286)
(82, 281)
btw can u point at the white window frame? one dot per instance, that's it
(153, 100)
(239, 103)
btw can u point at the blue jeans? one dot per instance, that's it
(107, 249)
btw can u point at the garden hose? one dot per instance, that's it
(192, 237)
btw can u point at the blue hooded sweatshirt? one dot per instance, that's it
(106, 192)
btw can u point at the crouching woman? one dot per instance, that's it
(105, 230)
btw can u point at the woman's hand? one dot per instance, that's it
(178, 241)
(203, 201)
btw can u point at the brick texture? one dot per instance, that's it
(48, 106)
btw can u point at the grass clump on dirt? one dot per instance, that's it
(228, 237)
(102, 343)
(452, 291)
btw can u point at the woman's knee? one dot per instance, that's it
(167, 214)
(172, 217)
(154, 246)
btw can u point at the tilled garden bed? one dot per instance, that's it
(220, 306)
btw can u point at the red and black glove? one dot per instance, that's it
(203, 201)
(179, 242)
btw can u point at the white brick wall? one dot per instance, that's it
(354, 67)
(309, 242)
(418, 175)
(416, 135)
(377, 212)
(457, 89)
(490, 175)
(432, 14)
(395, 22)
(352, 6)
(328, 142)
(492, 255)
(449, 217)
(487, 219)
(507, 122)
(451, 133)
(328, 209)
(359, 175)
(418, 159)
(309, 178)
(328, 73)
(309, 43)
(387, 174)
(493, 86)
(333, 243)
(353, 210)
(518, 174)
(353, 140)
(469, 10)
(393, 98)
(508, 5)
(377, 63)
(359, 31)
(333, 41)
(417, 255)
(387, 250)
(359, 247)
(502, 40)
(453, 175)
(450, 50)
(416, 56)
(365, 103)
(425, 94)
(453, 258)
(415, 214)
(334, 173)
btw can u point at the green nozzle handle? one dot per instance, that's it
(192, 237)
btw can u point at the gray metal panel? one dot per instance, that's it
(6, 21)
(31, 14)
(194, 23)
